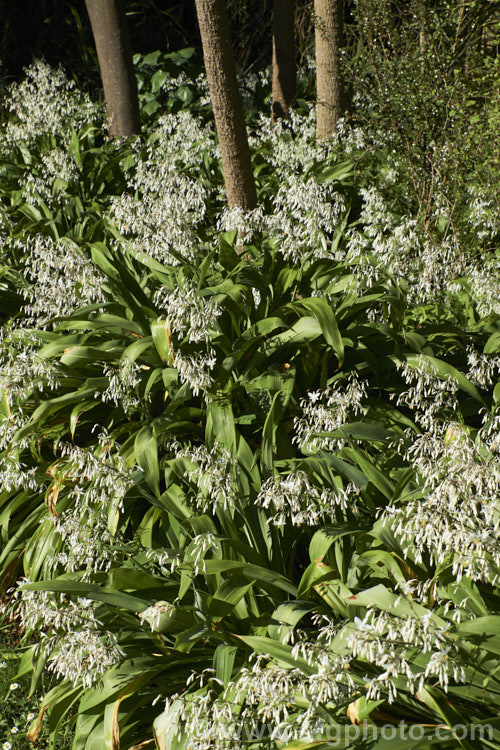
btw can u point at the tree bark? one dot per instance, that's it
(284, 68)
(226, 103)
(422, 35)
(330, 93)
(109, 27)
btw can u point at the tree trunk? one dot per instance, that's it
(226, 103)
(329, 33)
(422, 35)
(284, 68)
(109, 27)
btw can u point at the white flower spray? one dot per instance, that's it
(324, 412)
(71, 637)
(297, 501)
(46, 101)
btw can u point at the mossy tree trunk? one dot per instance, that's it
(284, 67)
(109, 27)
(330, 90)
(226, 103)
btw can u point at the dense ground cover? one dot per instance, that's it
(249, 462)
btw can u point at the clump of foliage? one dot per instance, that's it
(249, 462)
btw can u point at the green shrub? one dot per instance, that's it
(249, 462)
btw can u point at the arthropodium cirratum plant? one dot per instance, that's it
(209, 456)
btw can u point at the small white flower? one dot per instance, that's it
(83, 602)
(362, 625)
(6, 746)
(13, 686)
(14, 730)
(30, 716)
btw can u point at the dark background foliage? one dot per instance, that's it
(60, 31)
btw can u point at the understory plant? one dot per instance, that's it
(249, 464)
(424, 115)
